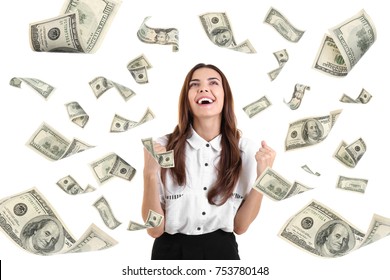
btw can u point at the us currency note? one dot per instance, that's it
(94, 239)
(165, 159)
(352, 184)
(100, 85)
(378, 229)
(110, 166)
(297, 96)
(308, 170)
(283, 26)
(310, 131)
(218, 29)
(274, 186)
(257, 106)
(153, 219)
(138, 69)
(363, 98)
(77, 114)
(314, 229)
(349, 155)
(162, 36)
(345, 46)
(69, 185)
(30, 221)
(121, 124)
(106, 213)
(81, 27)
(53, 145)
(43, 88)
(282, 58)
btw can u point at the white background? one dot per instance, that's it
(23, 111)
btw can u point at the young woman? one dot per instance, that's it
(208, 195)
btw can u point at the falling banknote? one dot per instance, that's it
(276, 187)
(165, 159)
(44, 89)
(111, 166)
(283, 26)
(218, 29)
(154, 219)
(297, 96)
(345, 46)
(53, 145)
(161, 36)
(81, 27)
(319, 230)
(350, 155)
(32, 223)
(310, 131)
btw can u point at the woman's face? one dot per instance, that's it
(206, 93)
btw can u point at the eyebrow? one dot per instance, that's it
(209, 79)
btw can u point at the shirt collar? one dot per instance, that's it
(197, 141)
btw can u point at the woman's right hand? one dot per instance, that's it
(151, 166)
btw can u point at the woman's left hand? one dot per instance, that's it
(265, 157)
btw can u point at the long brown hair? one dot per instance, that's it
(230, 162)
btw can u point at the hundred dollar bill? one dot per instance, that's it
(219, 31)
(154, 219)
(165, 159)
(308, 170)
(138, 69)
(30, 221)
(69, 185)
(120, 124)
(345, 46)
(378, 229)
(257, 106)
(94, 239)
(296, 99)
(276, 187)
(310, 131)
(162, 36)
(319, 230)
(53, 145)
(44, 89)
(363, 98)
(101, 84)
(81, 27)
(282, 58)
(283, 26)
(76, 113)
(350, 154)
(110, 166)
(352, 184)
(106, 213)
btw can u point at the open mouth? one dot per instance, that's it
(205, 100)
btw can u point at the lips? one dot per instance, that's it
(204, 101)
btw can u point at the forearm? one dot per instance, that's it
(151, 201)
(248, 211)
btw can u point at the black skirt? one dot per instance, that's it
(217, 245)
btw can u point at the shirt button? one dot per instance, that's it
(198, 228)
(205, 189)
(206, 164)
(203, 213)
(207, 145)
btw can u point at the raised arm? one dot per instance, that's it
(151, 196)
(250, 207)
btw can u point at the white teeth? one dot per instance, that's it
(205, 100)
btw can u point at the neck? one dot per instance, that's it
(208, 128)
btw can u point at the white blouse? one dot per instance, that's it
(187, 209)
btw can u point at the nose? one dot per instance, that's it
(203, 90)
